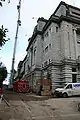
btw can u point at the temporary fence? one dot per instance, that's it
(21, 86)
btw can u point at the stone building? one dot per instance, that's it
(54, 48)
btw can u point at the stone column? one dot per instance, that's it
(55, 77)
(75, 44)
(67, 73)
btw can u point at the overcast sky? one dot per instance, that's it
(29, 9)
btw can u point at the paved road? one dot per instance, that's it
(32, 107)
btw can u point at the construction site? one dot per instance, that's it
(52, 59)
(29, 106)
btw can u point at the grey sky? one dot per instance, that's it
(29, 9)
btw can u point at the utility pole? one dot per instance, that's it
(15, 44)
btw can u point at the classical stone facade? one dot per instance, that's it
(54, 48)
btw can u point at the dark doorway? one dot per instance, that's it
(74, 78)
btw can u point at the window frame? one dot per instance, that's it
(46, 49)
(57, 29)
(69, 86)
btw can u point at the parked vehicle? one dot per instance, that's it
(69, 89)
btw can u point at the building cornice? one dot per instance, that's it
(42, 19)
(66, 5)
(48, 22)
(33, 37)
(61, 3)
(69, 19)
(55, 19)
(76, 8)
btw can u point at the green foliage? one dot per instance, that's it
(3, 36)
(1, 3)
(3, 74)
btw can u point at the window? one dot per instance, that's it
(28, 54)
(68, 37)
(49, 60)
(46, 49)
(50, 29)
(49, 46)
(42, 37)
(78, 38)
(73, 69)
(74, 78)
(45, 63)
(31, 56)
(78, 35)
(69, 86)
(42, 65)
(73, 31)
(34, 53)
(35, 40)
(79, 57)
(46, 34)
(56, 29)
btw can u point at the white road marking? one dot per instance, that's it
(26, 106)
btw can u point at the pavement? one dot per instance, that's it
(33, 107)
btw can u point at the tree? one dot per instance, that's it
(3, 1)
(3, 30)
(3, 36)
(3, 75)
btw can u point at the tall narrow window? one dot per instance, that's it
(35, 40)
(34, 55)
(56, 29)
(46, 49)
(50, 29)
(49, 60)
(68, 36)
(78, 37)
(46, 34)
(31, 55)
(45, 63)
(73, 69)
(69, 44)
(42, 65)
(74, 78)
(49, 46)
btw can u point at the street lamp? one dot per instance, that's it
(15, 44)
